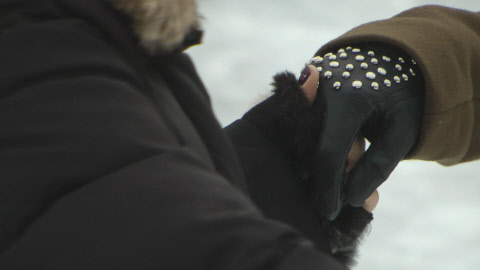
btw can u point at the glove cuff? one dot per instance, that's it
(290, 122)
(345, 232)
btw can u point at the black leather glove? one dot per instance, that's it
(295, 127)
(375, 91)
(290, 122)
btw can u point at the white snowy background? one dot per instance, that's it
(428, 216)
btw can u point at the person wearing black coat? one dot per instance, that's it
(112, 158)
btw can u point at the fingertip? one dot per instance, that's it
(372, 201)
(310, 85)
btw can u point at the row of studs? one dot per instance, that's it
(369, 75)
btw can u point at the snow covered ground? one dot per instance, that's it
(428, 216)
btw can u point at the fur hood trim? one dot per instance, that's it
(162, 25)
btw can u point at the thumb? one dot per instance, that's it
(308, 82)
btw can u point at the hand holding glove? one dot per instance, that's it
(293, 119)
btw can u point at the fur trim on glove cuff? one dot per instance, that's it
(346, 231)
(290, 122)
(299, 123)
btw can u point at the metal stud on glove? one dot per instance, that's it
(373, 90)
(350, 66)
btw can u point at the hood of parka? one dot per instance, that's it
(162, 25)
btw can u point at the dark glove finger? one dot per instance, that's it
(392, 143)
(341, 129)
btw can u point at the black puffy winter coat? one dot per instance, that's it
(111, 157)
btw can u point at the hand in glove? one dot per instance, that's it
(371, 90)
(293, 117)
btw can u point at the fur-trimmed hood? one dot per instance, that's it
(161, 25)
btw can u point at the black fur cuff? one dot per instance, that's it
(289, 121)
(345, 232)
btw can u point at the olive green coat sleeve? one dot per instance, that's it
(446, 44)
